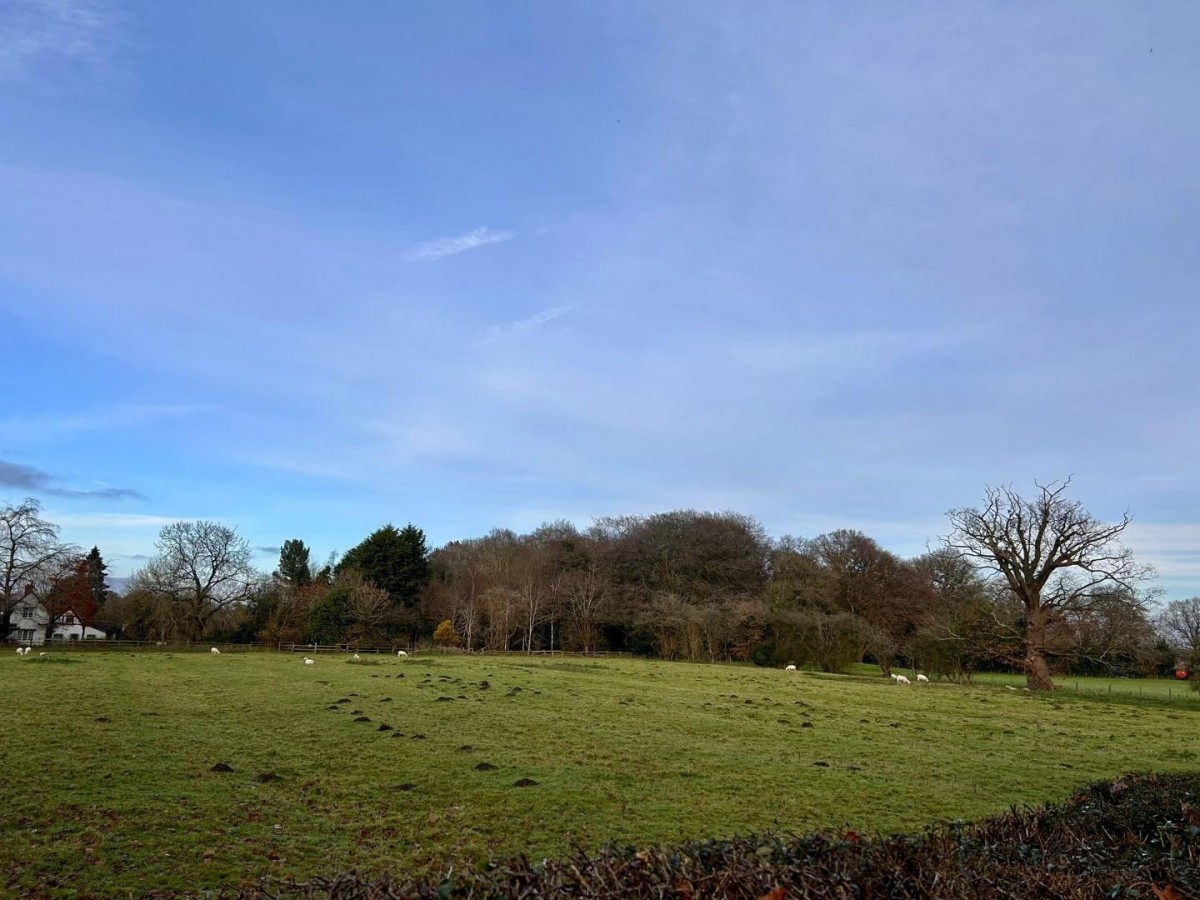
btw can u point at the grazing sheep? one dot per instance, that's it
(28, 650)
(357, 657)
(1010, 687)
(790, 669)
(20, 651)
(901, 679)
(922, 678)
(41, 655)
(307, 661)
(215, 652)
(401, 653)
(893, 676)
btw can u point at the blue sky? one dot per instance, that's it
(308, 268)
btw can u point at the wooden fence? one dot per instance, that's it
(109, 646)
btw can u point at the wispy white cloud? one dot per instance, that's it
(113, 521)
(37, 429)
(429, 251)
(34, 31)
(499, 332)
(1173, 549)
(841, 351)
(125, 539)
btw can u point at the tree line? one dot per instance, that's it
(1034, 585)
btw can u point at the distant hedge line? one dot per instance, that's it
(1135, 836)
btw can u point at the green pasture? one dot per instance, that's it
(1169, 689)
(108, 785)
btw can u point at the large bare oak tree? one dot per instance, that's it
(1053, 555)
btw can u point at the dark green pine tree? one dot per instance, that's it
(97, 572)
(395, 559)
(294, 564)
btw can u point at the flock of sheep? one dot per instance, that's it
(899, 679)
(308, 661)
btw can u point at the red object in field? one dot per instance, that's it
(1181, 674)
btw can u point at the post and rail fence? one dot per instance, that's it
(108, 645)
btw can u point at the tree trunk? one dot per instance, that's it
(1037, 669)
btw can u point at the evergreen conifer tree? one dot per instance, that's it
(294, 565)
(97, 571)
(395, 559)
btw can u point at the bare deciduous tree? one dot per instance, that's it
(201, 569)
(29, 551)
(61, 588)
(1053, 555)
(501, 605)
(1179, 623)
(586, 595)
(367, 603)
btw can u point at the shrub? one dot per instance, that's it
(446, 636)
(763, 655)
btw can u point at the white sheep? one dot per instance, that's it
(922, 678)
(215, 652)
(790, 669)
(357, 657)
(401, 653)
(1010, 687)
(307, 661)
(28, 650)
(893, 676)
(41, 655)
(901, 679)
(20, 651)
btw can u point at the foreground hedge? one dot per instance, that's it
(1137, 836)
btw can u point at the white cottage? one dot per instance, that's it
(28, 626)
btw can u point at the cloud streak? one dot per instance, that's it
(27, 478)
(1172, 548)
(499, 332)
(431, 251)
(37, 31)
(34, 429)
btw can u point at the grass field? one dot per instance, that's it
(109, 787)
